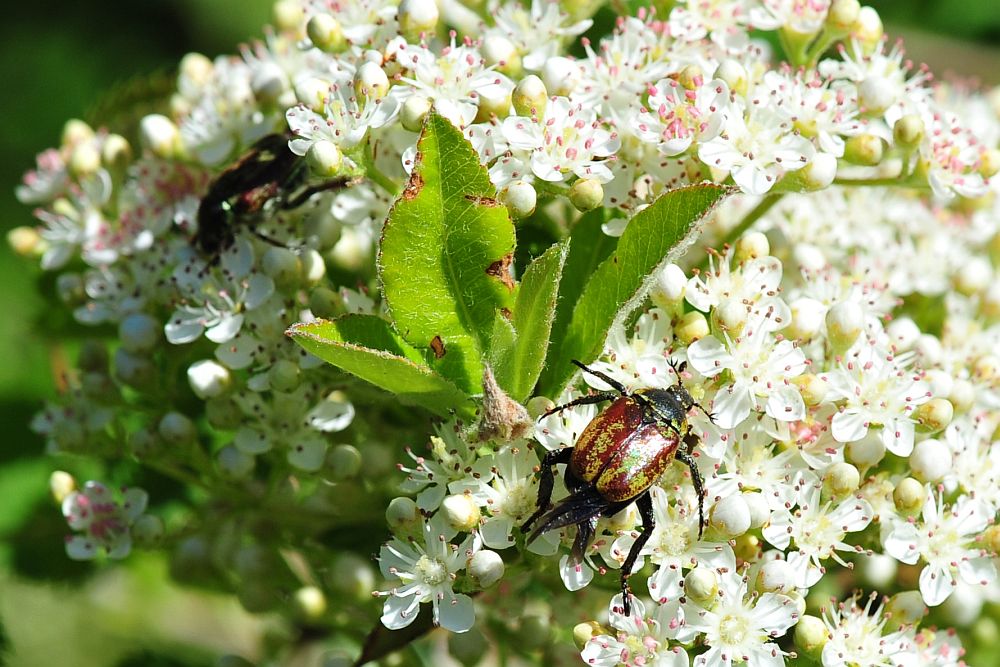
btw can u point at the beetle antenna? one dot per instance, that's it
(615, 384)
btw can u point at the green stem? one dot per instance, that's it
(753, 216)
(878, 182)
(376, 176)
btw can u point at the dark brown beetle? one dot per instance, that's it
(621, 453)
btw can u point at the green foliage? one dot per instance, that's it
(656, 235)
(445, 255)
(445, 268)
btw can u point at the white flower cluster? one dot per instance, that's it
(844, 425)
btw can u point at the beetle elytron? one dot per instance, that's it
(621, 453)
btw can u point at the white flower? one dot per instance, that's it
(640, 641)
(755, 282)
(214, 303)
(819, 108)
(639, 361)
(938, 648)
(674, 547)
(567, 140)
(344, 121)
(759, 367)
(876, 389)
(450, 461)
(80, 226)
(945, 538)
(757, 147)
(538, 32)
(46, 182)
(740, 628)
(505, 484)
(857, 638)
(103, 520)
(953, 156)
(749, 463)
(425, 573)
(365, 23)
(818, 529)
(675, 117)
(453, 80)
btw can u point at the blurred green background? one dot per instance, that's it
(61, 63)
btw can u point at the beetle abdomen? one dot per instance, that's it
(638, 463)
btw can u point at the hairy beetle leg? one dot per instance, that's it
(610, 381)
(545, 484)
(590, 399)
(645, 505)
(687, 459)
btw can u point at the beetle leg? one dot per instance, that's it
(545, 484)
(687, 459)
(710, 415)
(584, 532)
(618, 386)
(645, 505)
(590, 399)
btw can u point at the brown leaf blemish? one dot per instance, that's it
(437, 345)
(500, 269)
(413, 186)
(482, 201)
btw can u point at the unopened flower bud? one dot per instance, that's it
(811, 636)
(691, 77)
(760, 512)
(808, 316)
(701, 584)
(268, 83)
(208, 378)
(903, 333)
(866, 452)
(500, 52)
(775, 576)
(752, 245)
(61, 484)
(817, 174)
(234, 463)
(906, 608)
(85, 160)
(934, 415)
(669, 287)
(733, 74)
(462, 512)
(730, 316)
(414, 111)
(310, 603)
(25, 241)
(116, 153)
(147, 531)
(586, 194)
(284, 375)
(930, 460)
(312, 92)
(842, 16)
(402, 515)
(139, 332)
(844, 322)
(287, 14)
(865, 149)
(584, 632)
(808, 257)
(468, 648)
(868, 29)
(283, 265)
(344, 462)
(539, 405)
(974, 277)
(693, 326)
(520, 198)
(371, 82)
(325, 33)
(841, 479)
(561, 75)
(529, 97)
(486, 568)
(908, 496)
(989, 163)
(417, 17)
(325, 158)
(961, 396)
(730, 516)
(75, 132)
(494, 102)
(176, 429)
(159, 135)
(908, 131)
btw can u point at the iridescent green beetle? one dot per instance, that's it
(621, 453)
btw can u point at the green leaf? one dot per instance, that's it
(658, 234)
(589, 246)
(445, 255)
(368, 347)
(534, 312)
